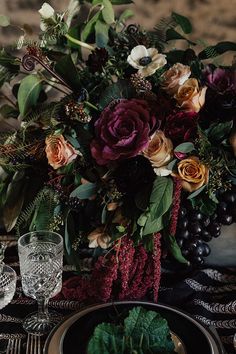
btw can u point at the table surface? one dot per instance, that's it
(208, 294)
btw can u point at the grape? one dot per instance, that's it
(183, 223)
(206, 236)
(184, 234)
(214, 228)
(222, 208)
(195, 228)
(226, 219)
(206, 250)
(229, 197)
(182, 212)
(196, 215)
(198, 260)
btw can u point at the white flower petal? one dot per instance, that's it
(152, 52)
(184, 78)
(133, 63)
(162, 171)
(93, 243)
(46, 11)
(139, 52)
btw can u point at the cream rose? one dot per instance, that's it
(159, 150)
(173, 78)
(59, 152)
(193, 173)
(190, 96)
(99, 238)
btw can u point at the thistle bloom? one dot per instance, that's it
(147, 61)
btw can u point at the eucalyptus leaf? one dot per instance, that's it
(183, 22)
(161, 197)
(184, 147)
(4, 21)
(101, 32)
(84, 191)
(108, 12)
(28, 93)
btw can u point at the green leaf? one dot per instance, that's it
(172, 164)
(185, 147)
(121, 2)
(84, 191)
(70, 237)
(4, 21)
(14, 199)
(172, 34)
(108, 12)
(90, 26)
(198, 191)
(125, 15)
(175, 56)
(219, 131)
(175, 249)
(143, 332)
(218, 49)
(120, 89)
(183, 22)
(7, 111)
(101, 31)
(107, 339)
(28, 93)
(67, 70)
(161, 197)
(159, 204)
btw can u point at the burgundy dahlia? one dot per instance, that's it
(181, 126)
(97, 60)
(220, 80)
(122, 130)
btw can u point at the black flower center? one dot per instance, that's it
(144, 61)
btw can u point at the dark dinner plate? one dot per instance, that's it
(79, 327)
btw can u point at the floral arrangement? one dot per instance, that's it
(120, 142)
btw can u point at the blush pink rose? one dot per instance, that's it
(59, 152)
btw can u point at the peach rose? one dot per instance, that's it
(190, 96)
(59, 152)
(173, 78)
(193, 173)
(159, 150)
(99, 238)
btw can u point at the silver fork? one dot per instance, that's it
(33, 345)
(13, 346)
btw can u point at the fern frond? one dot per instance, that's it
(162, 27)
(43, 114)
(40, 212)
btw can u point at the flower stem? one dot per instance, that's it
(90, 105)
(80, 43)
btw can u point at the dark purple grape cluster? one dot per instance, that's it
(195, 229)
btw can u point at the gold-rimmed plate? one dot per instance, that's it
(72, 335)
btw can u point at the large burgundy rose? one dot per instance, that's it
(122, 130)
(181, 126)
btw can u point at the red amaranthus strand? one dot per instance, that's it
(157, 264)
(103, 278)
(176, 206)
(126, 258)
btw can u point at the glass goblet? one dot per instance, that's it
(7, 284)
(41, 261)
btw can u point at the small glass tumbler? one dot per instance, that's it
(41, 263)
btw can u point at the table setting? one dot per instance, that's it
(117, 186)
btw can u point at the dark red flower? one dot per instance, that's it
(181, 127)
(97, 60)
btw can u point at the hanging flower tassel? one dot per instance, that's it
(176, 206)
(126, 258)
(157, 264)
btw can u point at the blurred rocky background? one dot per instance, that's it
(213, 20)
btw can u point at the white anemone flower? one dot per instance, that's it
(46, 11)
(147, 61)
(162, 171)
